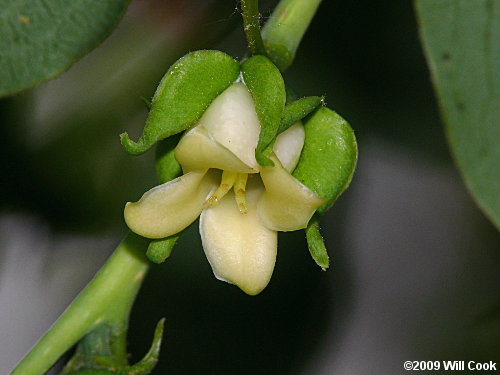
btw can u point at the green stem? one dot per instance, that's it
(107, 298)
(285, 28)
(251, 25)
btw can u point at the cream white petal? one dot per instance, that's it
(287, 204)
(239, 248)
(169, 208)
(198, 150)
(288, 146)
(232, 121)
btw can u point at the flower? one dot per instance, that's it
(240, 217)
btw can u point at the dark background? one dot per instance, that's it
(414, 272)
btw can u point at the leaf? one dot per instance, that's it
(184, 93)
(266, 85)
(41, 39)
(316, 244)
(329, 156)
(461, 40)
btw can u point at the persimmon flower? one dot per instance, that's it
(241, 208)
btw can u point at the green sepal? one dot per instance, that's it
(316, 244)
(294, 112)
(329, 156)
(184, 93)
(266, 85)
(297, 110)
(167, 168)
(159, 250)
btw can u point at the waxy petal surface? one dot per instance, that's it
(232, 121)
(197, 150)
(288, 146)
(239, 248)
(286, 204)
(169, 208)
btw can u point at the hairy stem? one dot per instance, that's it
(107, 298)
(285, 28)
(251, 25)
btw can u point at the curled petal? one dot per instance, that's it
(286, 204)
(169, 208)
(198, 150)
(232, 121)
(288, 146)
(239, 248)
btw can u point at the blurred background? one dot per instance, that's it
(415, 264)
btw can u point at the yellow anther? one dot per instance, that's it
(239, 192)
(227, 182)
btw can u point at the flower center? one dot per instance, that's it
(228, 181)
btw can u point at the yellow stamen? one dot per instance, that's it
(227, 182)
(239, 192)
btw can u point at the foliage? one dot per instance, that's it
(41, 39)
(461, 41)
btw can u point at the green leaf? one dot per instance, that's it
(329, 156)
(184, 93)
(41, 39)
(316, 244)
(297, 110)
(266, 85)
(461, 39)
